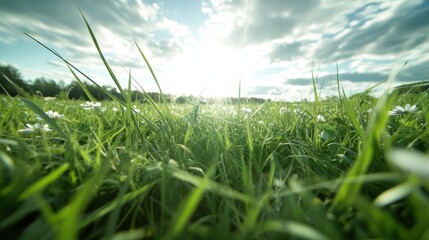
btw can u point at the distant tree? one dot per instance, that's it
(332, 98)
(137, 96)
(96, 92)
(154, 96)
(169, 98)
(114, 92)
(256, 100)
(75, 91)
(181, 100)
(47, 87)
(12, 74)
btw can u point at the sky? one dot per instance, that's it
(271, 48)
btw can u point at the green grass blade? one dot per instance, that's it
(161, 95)
(212, 186)
(293, 228)
(108, 207)
(85, 89)
(68, 225)
(44, 182)
(7, 168)
(6, 117)
(395, 194)
(109, 69)
(17, 88)
(314, 82)
(114, 216)
(4, 89)
(351, 114)
(128, 114)
(187, 208)
(76, 69)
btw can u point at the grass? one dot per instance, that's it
(330, 169)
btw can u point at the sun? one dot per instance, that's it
(209, 70)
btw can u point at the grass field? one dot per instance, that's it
(344, 168)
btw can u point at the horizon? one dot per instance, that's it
(199, 47)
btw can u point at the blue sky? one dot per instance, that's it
(206, 46)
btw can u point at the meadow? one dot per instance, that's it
(340, 168)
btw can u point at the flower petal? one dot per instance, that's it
(27, 130)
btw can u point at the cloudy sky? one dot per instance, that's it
(206, 46)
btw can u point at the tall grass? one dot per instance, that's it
(211, 171)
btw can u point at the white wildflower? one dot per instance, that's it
(34, 128)
(136, 109)
(398, 110)
(52, 114)
(298, 111)
(47, 99)
(321, 118)
(246, 110)
(90, 105)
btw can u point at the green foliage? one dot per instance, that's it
(250, 175)
(46, 87)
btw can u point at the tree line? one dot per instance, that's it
(51, 88)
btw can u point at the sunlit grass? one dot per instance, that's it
(126, 170)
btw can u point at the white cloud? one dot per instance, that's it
(347, 44)
(114, 24)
